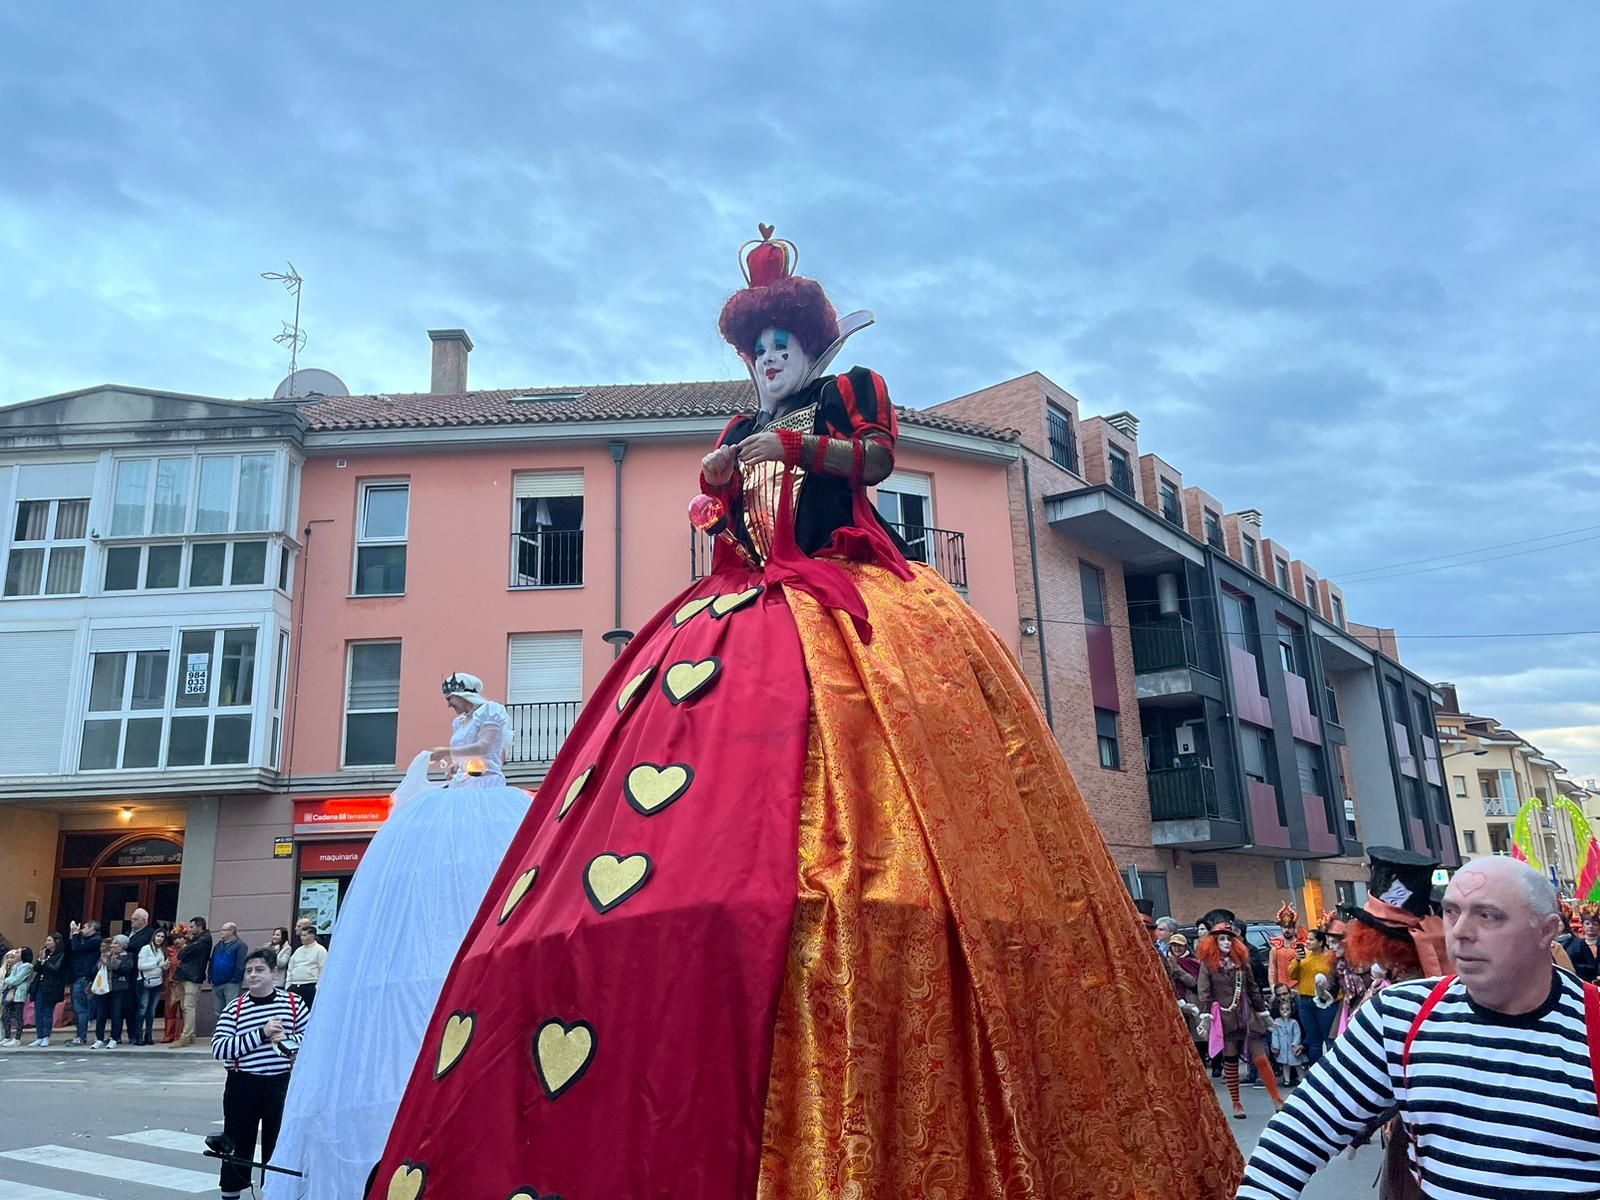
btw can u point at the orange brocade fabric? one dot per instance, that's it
(971, 1007)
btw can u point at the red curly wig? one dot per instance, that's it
(793, 303)
(1211, 954)
(1364, 945)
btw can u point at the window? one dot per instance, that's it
(161, 565)
(139, 718)
(905, 501)
(280, 681)
(1261, 763)
(547, 529)
(1460, 784)
(1105, 728)
(47, 548)
(1469, 838)
(1313, 602)
(1282, 565)
(384, 516)
(1238, 620)
(1308, 761)
(1063, 443)
(1094, 593)
(126, 725)
(1338, 611)
(213, 698)
(1330, 699)
(1291, 648)
(229, 493)
(1203, 875)
(544, 688)
(1121, 472)
(1345, 890)
(1171, 508)
(1250, 560)
(372, 704)
(1213, 524)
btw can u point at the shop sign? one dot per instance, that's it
(153, 852)
(320, 857)
(283, 847)
(342, 812)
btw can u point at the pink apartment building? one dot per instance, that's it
(506, 533)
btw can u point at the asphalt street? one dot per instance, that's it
(127, 1124)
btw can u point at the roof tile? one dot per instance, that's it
(551, 405)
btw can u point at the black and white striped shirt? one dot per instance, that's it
(238, 1040)
(1500, 1106)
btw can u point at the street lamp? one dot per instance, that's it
(1475, 754)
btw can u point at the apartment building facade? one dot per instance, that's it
(225, 623)
(1495, 775)
(149, 558)
(1238, 739)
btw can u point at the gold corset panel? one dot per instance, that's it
(763, 484)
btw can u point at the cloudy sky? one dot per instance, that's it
(1343, 267)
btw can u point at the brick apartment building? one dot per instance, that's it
(1239, 739)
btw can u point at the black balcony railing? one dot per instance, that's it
(1165, 645)
(538, 729)
(1122, 477)
(547, 558)
(944, 550)
(1170, 511)
(1063, 443)
(1187, 794)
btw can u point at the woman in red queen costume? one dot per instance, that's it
(814, 907)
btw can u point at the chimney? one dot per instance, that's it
(450, 350)
(1124, 422)
(1451, 702)
(1249, 516)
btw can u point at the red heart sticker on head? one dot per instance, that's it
(766, 231)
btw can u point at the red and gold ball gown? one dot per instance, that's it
(809, 906)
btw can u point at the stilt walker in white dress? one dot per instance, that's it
(417, 889)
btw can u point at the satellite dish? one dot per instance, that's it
(310, 381)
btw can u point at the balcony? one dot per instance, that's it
(1494, 806)
(944, 550)
(538, 729)
(1214, 538)
(1187, 808)
(1063, 443)
(1184, 793)
(1164, 645)
(547, 558)
(1170, 512)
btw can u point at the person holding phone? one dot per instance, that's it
(250, 1038)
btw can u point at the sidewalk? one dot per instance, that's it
(201, 1048)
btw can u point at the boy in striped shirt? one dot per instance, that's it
(247, 1038)
(1494, 1070)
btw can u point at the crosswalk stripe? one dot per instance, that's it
(165, 1139)
(27, 1191)
(108, 1166)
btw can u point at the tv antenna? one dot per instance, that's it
(292, 336)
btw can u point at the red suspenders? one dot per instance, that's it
(1591, 1018)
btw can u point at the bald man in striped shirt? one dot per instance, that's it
(1494, 1071)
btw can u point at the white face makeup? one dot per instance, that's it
(780, 364)
(1224, 943)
